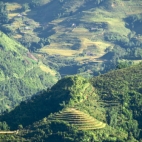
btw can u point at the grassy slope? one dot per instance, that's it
(20, 72)
(14, 46)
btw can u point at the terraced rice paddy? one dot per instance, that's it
(79, 119)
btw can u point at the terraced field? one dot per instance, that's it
(65, 35)
(76, 30)
(79, 119)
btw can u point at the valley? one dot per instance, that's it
(71, 71)
(75, 32)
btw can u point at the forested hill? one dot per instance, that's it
(21, 73)
(117, 82)
(73, 110)
(125, 87)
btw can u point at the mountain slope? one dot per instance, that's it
(69, 92)
(89, 36)
(71, 110)
(20, 73)
(125, 87)
(78, 33)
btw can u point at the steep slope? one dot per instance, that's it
(71, 111)
(69, 92)
(20, 73)
(124, 87)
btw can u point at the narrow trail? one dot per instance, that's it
(9, 132)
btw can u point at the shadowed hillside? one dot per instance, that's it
(72, 111)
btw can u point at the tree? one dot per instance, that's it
(138, 53)
(125, 64)
(3, 13)
(25, 7)
(4, 126)
(98, 1)
(112, 117)
(34, 4)
(20, 126)
(130, 137)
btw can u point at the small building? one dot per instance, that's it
(93, 29)
(73, 25)
(27, 28)
(19, 15)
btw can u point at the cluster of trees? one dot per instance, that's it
(31, 5)
(4, 126)
(123, 86)
(20, 74)
(15, 83)
(34, 45)
(134, 23)
(3, 13)
(98, 1)
(35, 112)
(122, 119)
(34, 4)
(125, 47)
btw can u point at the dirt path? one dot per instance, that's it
(9, 132)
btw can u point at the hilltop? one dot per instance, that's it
(21, 73)
(105, 108)
(71, 107)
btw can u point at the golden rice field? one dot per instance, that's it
(47, 69)
(78, 119)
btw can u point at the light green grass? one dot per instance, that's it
(47, 69)
(10, 44)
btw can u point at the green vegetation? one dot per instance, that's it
(123, 86)
(77, 87)
(77, 119)
(20, 74)
(91, 36)
(62, 37)
(71, 110)
(3, 13)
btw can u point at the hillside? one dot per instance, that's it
(21, 75)
(73, 110)
(87, 37)
(123, 86)
(71, 71)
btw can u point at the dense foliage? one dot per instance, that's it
(124, 86)
(20, 74)
(3, 13)
(88, 37)
(98, 45)
(49, 115)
